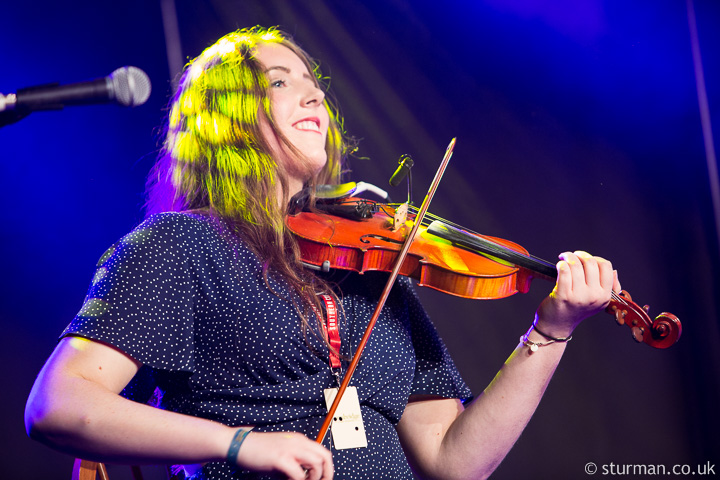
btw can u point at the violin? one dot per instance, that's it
(332, 241)
(360, 235)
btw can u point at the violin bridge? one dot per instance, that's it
(400, 217)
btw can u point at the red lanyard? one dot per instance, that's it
(331, 327)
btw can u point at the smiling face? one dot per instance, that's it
(298, 113)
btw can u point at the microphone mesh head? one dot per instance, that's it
(130, 86)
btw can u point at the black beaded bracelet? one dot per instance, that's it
(235, 445)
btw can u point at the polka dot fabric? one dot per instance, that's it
(186, 298)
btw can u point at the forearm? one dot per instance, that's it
(484, 432)
(445, 441)
(480, 437)
(74, 407)
(84, 419)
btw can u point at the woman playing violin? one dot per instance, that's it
(207, 302)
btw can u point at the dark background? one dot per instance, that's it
(578, 128)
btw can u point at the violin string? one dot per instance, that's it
(618, 298)
(413, 209)
(499, 249)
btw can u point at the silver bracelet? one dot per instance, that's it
(534, 346)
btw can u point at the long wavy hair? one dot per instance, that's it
(215, 157)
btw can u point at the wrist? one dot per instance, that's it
(223, 442)
(551, 330)
(535, 338)
(233, 448)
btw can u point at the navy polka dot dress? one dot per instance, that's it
(186, 298)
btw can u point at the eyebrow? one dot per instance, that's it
(287, 70)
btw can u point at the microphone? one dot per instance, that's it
(406, 163)
(126, 86)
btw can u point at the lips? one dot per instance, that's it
(311, 124)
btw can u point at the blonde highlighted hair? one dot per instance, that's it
(215, 157)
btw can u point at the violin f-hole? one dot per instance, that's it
(364, 239)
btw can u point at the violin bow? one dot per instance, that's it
(386, 292)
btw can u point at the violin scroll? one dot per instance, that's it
(662, 332)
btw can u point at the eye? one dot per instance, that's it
(277, 83)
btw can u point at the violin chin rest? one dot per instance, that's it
(329, 192)
(344, 190)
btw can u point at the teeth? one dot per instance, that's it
(307, 125)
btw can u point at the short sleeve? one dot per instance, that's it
(140, 298)
(435, 371)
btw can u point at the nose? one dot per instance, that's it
(313, 96)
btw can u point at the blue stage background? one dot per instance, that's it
(578, 128)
